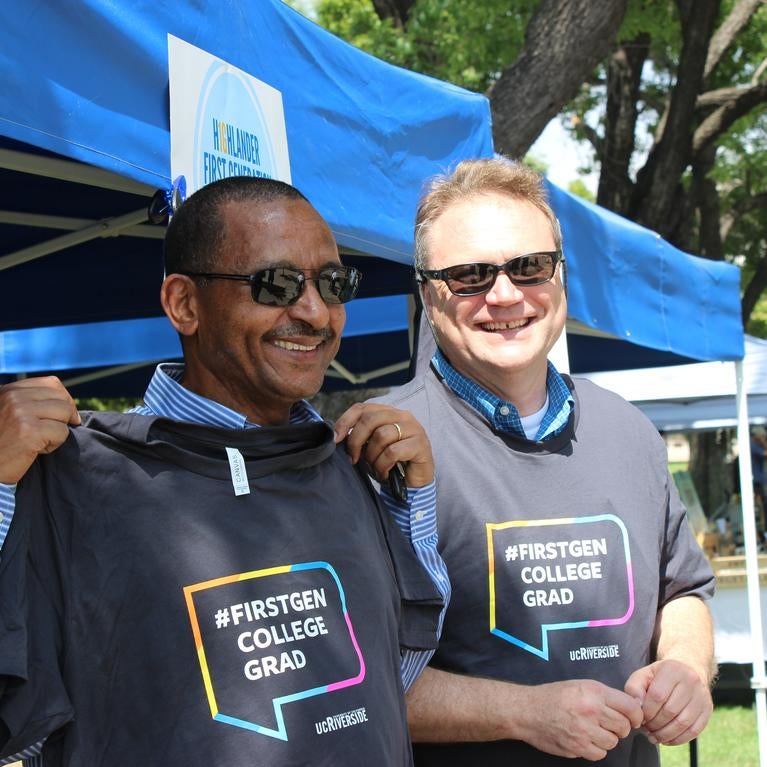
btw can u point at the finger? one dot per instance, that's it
(346, 422)
(45, 437)
(672, 706)
(681, 711)
(624, 706)
(637, 684)
(596, 749)
(656, 696)
(37, 382)
(605, 740)
(20, 395)
(52, 434)
(686, 735)
(384, 449)
(616, 723)
(372, 432)
(405, 443)
(58, 410)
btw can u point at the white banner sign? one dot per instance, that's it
(223, 121)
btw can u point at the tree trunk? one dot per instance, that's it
(754, 290)
(396, 10)
(564, 42)
(706, 200)
(624, 76)
(657, 181)
(709, 470)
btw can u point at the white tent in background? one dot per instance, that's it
(696, 396)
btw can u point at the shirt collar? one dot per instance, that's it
(502, 415)
(166, 397)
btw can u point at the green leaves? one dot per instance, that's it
(467, 42)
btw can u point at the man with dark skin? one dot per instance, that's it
(260, 314)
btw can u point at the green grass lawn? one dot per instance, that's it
(728, 741)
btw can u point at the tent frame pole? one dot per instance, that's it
(759, 680)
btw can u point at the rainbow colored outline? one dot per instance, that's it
(543, 652)
(280, 732)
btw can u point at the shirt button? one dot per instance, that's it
(503, 409)
(419, 515)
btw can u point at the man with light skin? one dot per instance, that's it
(590, 640)
(255, 288)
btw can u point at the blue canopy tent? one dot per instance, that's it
(84, 143)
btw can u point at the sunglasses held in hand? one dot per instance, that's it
(283, 285)
(473, 279)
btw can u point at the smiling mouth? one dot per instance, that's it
(496, 326)
(292, 346)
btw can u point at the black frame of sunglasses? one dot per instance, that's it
(263, 279)
(493, 271)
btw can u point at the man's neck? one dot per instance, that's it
(220, 393)
(526, 389)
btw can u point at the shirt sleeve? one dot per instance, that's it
(7, 507)
(684, 568)
(417, 519)
(29, 757)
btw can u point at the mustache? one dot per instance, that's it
(303, 329)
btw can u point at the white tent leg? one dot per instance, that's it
(758, 681)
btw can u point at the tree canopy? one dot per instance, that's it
(669, 95)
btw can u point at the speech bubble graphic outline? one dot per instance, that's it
(280, 732)
(543, 651)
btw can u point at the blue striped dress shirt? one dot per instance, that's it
(166, 397)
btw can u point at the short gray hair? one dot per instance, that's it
(474, 178)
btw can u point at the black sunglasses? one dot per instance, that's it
(473, 279)
(283, 285)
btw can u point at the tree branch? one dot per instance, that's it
(584, 130)
(720, 96)
(564, 42)
(722, 118)
(740, 208)
(723, 38)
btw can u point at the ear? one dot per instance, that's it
(179, 299)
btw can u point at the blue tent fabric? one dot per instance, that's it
(362, 134)
(629, 283)
(125, 342)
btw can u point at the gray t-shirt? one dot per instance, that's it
(559, 552)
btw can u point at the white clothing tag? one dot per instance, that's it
(239, 472)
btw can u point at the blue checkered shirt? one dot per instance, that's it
(502, 415)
